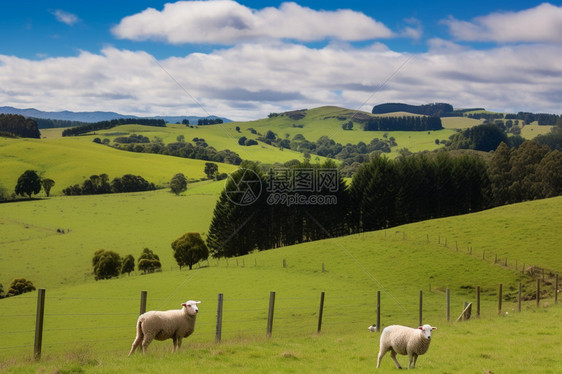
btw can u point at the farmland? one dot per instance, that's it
(89, 325)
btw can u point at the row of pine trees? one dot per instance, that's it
(250, 215)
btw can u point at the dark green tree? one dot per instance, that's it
(148, 262)
(549, 172)
(47, 184)
(106, 264)
(499, 172)
(128, 264)
(178, 184)
(20, 286)
(234, 229)
(28, 184)
(211, 169)
(189, 249)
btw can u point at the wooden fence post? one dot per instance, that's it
(519, 298)
(270, 313)
(218, 331)
(39, 323)
(321, 311)
(421, 307)
(143, 302)
(448, 304)
(378, 311)
(477, 301)
(500, 299)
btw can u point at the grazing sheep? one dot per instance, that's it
(405, 341)
(171, 324)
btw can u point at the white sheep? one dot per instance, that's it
(405, 341)
(171, 324)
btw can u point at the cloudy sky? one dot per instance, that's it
(246, 59)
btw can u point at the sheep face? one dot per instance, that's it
(191, 307)
(426, 330)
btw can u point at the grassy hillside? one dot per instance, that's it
(72, 160)
(125, 223)
(327, 121)
(91, 324)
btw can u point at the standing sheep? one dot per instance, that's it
(405, 341)
(171, 324)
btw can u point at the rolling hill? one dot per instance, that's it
(89, 325)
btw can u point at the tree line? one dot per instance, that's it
(432, 110)
(208, 121)
(383, 193)
(199, 151)
(188, 249)
(100, 184)
(405, 123)
(47, 123)
(15, 125)
(324, 146)
(104, 125)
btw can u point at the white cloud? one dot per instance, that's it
(65, 17)
(540, 24)
(228, 22)
(249, 81)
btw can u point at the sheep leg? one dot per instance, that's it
(136, 342)
(415, 359)
(393, 355)
(145, 342)
(381, 355)
(177, 343)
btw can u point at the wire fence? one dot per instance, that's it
(110, 323)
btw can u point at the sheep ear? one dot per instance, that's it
(184, 304)
(420, 328)
(198, 302)
(434, 328)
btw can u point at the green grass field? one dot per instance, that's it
(70, 161)
(89, 325)
(95, 320)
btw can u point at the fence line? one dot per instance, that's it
(319, 314)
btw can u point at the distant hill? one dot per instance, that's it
(96, 116)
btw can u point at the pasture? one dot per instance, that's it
(90, 325)
(70, 161)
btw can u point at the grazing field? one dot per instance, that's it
(90, 324)
(70, 161)
(514, 343)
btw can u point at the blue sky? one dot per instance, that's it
(245, 59)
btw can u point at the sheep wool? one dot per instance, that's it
(163, 325)
(405, 341)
